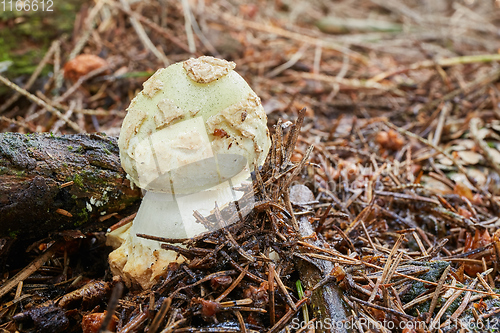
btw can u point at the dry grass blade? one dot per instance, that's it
(293, 135)
(437, 318)
(461, 308)
(387, 310)
(148, 44)
(41, 103)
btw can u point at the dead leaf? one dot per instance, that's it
(82, 65)
(478, 176)
(444, 160)
(462, 190)
(469, 157)
(460, 178)
(464, 212)
(481, 239)
(435, 185)
(463, 144)
(390, 140)
(92, 322)
(495, 155)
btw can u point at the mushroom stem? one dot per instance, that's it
(169, 214)
(158, 215)
(163, 214)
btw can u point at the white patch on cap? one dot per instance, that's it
(242, 118)
(152, 86)
(207, 69)
(131, 126)
(168, 113)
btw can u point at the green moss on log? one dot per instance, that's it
(32, 170)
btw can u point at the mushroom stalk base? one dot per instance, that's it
(140, 261)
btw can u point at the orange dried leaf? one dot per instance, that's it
(92, 322)
(82, 65)
(249, 10)
(481, 239)
(459, 274)
(462, 190)
(379, 315)
(339, 273)
(468, 242)
(409, 330)
(477, 199)
(481, 306)
(296, 157)
(496, 236)
(390, 140)
(382, 139)
(464, 212)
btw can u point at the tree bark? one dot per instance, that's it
(50, 183)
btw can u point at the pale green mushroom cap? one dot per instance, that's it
(186, 114)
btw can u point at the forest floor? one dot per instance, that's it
(401, 109)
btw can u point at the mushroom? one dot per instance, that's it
(193, 134)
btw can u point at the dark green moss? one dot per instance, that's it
(453, 306)
(83, 217)
(95, 177)
(12, 172)
(28, 40)
(78, 180)
(436, 269)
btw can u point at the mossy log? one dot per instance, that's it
(50, 183)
